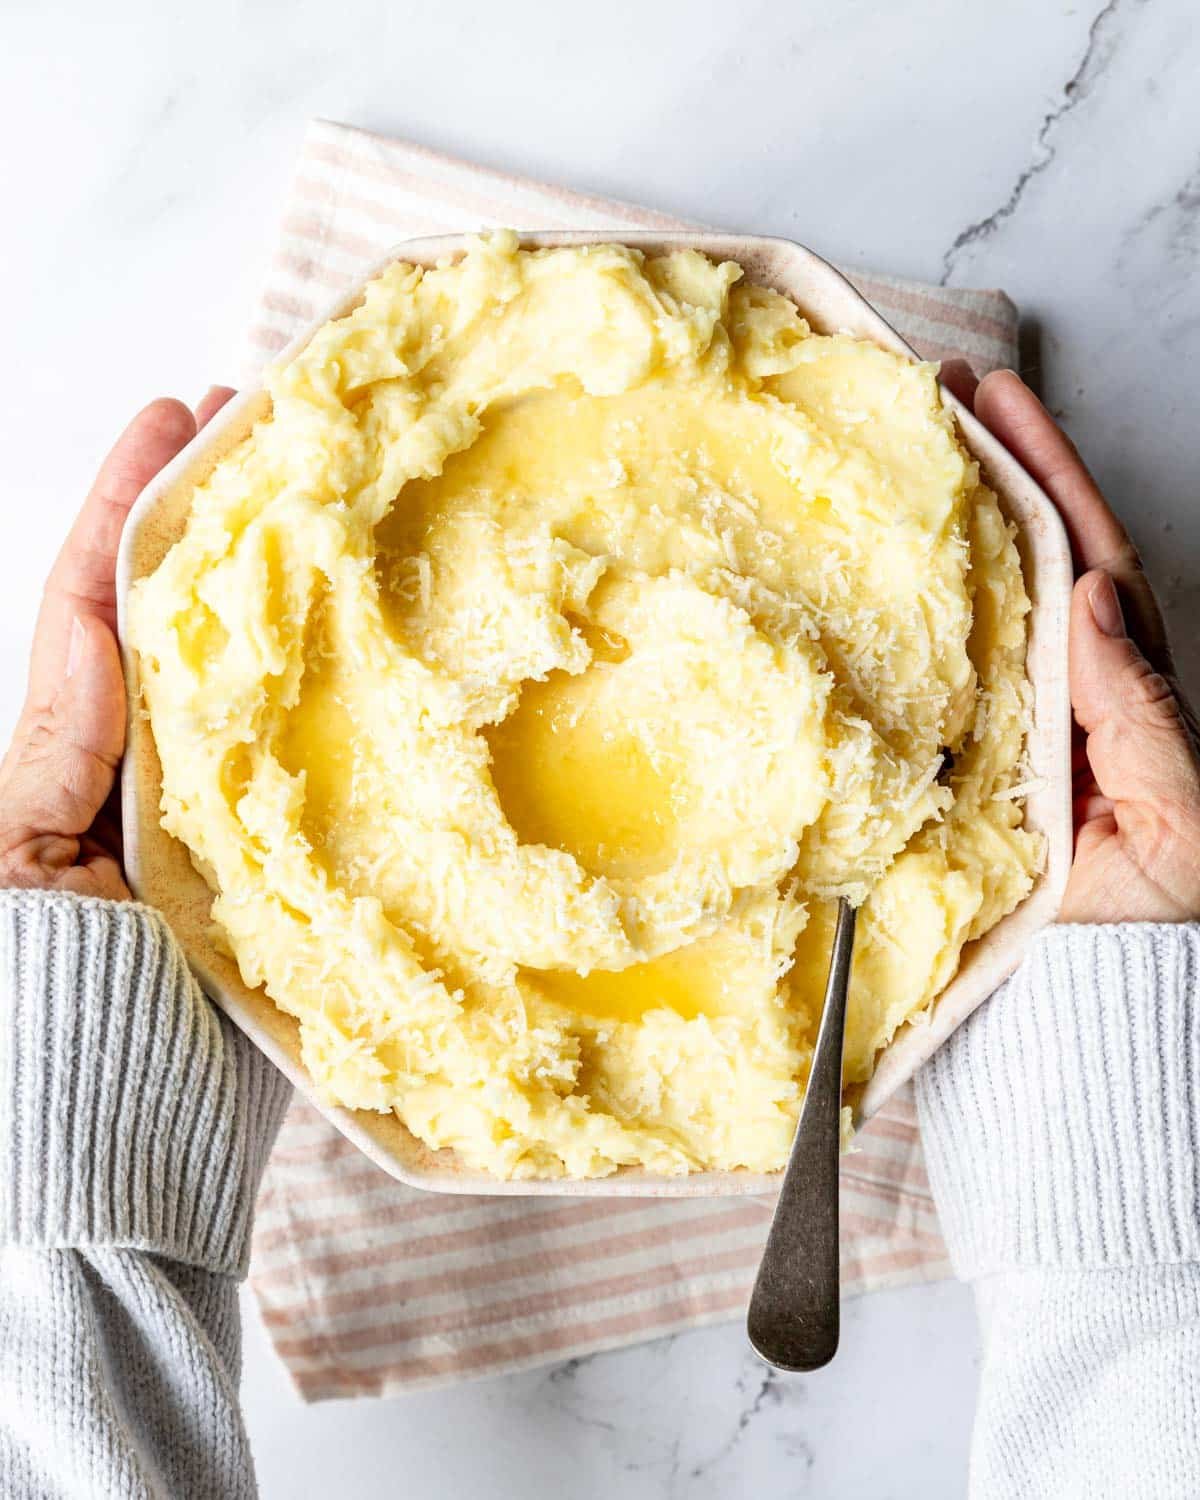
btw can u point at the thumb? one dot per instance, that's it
(66, 756)
(1137, 744)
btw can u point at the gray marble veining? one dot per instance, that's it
(1102, 37)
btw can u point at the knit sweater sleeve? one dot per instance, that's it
(1062, 1129)
(135, 1122)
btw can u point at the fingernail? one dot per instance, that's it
(1105, 606)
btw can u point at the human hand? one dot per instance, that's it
(1137, 765)
(60, 826)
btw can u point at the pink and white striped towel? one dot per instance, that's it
(368, 1287)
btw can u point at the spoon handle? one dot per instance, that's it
(794, 1316)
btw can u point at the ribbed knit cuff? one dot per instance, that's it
(1062, 1121)
(132, 1113)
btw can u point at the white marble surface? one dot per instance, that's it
(1050, 148)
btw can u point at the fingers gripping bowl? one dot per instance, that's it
(575, 628)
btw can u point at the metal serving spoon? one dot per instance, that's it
(795, 1308)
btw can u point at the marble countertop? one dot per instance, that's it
(1047, 148)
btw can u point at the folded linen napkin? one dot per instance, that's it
(368, 1287)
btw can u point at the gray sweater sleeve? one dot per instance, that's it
(135, 1122)
(1062, 1129)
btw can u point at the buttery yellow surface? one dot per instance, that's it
(527, 686)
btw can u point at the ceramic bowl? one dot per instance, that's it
(161, 873)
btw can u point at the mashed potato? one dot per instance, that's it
(574, 631)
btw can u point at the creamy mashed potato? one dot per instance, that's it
(577, 627)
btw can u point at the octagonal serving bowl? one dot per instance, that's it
(161, 872)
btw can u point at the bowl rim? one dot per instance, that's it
(165, 879)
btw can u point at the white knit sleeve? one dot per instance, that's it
(135, 1121)
(1061, 1125)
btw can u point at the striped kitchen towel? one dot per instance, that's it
(368, 1287)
